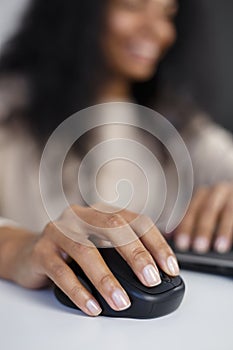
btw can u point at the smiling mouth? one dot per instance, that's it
(144, 51)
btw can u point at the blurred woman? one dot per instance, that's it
(68, 56)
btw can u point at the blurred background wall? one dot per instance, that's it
(203, 56)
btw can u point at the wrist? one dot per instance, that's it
(12, 243)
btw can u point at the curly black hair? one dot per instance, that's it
(56, 49)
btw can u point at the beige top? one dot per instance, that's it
(210, 147)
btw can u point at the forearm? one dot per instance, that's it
(13, 241)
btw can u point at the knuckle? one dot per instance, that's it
(50, 228)
(42, 248)
(106, 279)
(139, 253)
(145, 220)
(142, 223)
(38, 248)
(75, 291)
(78, 249)
(58, 270)
(114, 220)
(163, 246)
(73, 207)
(50, 233)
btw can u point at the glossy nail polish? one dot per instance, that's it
(120, 299)
(93, 307)
(221, 245)
(151, 275)
(182, 241)
(201, 245)
(173, 266)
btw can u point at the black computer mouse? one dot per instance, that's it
(146, 302)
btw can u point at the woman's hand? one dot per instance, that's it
(42, 258)
(209, 220)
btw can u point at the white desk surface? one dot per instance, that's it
(34, 320)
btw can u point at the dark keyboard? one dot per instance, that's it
(212, 262)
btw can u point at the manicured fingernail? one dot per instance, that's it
(120, 299)
(93, 307)
(182, 241)
(201, 245)
(151, 275)
(173, 265)
(221, 245)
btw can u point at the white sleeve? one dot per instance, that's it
(211, 150)
(3, 146)
(7, 222)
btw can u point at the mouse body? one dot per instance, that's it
(146, 302)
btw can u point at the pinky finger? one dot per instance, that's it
(62, 275)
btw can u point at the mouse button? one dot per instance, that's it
(160, 288)
(123, 272)
(164, 277)
(176, 281)
(132, 279)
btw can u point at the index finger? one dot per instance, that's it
(154, 241)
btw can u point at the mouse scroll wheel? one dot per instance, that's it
(164, 277)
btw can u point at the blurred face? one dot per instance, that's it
(137, 35)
